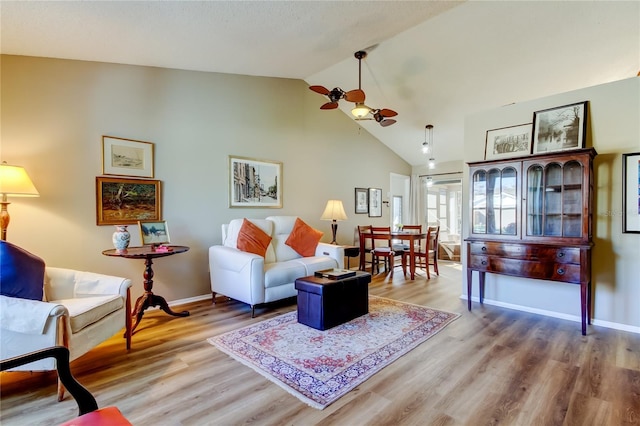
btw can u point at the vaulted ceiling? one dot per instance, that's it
(434, 62)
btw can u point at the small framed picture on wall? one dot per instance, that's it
(362, 201)
(375, 202)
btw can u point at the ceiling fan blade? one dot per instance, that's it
(330, 105)
(387, 122)
(387, 112)
(356, 96)
(320, 89)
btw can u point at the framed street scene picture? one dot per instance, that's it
(254, 183)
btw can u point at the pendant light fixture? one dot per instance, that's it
(425, 145)
(428, 130)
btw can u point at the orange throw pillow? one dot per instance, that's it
(252, 239)
(304, 239)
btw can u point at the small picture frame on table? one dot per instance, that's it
(560, 128)
(631, 193)
(154, 233)
(362, 200)
(375, 202)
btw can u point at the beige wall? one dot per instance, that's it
(613, 129)
(54, 113)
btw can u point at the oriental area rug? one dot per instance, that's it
(319, 367)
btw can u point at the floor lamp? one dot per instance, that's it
(334, 211)
(14, 182)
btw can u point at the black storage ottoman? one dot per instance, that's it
(324, 303)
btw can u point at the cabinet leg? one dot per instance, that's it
(469, 283)
(584, 307)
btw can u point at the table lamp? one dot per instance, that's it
(334, 211)
(15, 182)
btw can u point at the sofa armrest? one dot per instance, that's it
(64, 283)
(27, 316)
(232, 259)
(334, 251)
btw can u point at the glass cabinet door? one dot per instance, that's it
(554, 200)
(494, 196)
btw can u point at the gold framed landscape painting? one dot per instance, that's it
(127, 157)
(123, 201)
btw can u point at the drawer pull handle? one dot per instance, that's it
(484, 248)
(561, 254)
(484, 263)
(560, 271)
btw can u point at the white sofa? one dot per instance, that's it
(257, 280)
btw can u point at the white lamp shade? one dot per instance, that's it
(334, 211)
(15, 181)
(360, 110)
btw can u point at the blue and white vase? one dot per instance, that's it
(121, 237)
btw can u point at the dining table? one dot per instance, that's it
(411, 236)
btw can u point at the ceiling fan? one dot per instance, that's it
(357, 96)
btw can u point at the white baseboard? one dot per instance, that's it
(183, 301)
(575, 318)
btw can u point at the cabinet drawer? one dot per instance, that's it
(526, 252)
(525, 268)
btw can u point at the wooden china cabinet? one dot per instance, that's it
(531, 217)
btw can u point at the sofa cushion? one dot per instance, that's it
(279, 273)
(84, 311)
(303, 238)
(252, 239)
(316, 263)
(21, 273)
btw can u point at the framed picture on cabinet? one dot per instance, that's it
(127, 157)
(631, 193)
(560, 128)
(362, 201)
(254, 183)
(508, 142)
(122, 201)
(375, 202)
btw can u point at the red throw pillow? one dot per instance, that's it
(252, 239)
(304, 239)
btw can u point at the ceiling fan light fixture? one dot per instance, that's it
(360, 110)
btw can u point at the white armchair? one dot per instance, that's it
(79, 310)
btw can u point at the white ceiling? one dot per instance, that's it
(434, 62)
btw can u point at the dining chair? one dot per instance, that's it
(368, 245)
(433, 248)
(420, 253)
(384, 251)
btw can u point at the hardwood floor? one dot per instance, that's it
(490, 366)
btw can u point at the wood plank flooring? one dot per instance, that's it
(490, 366)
